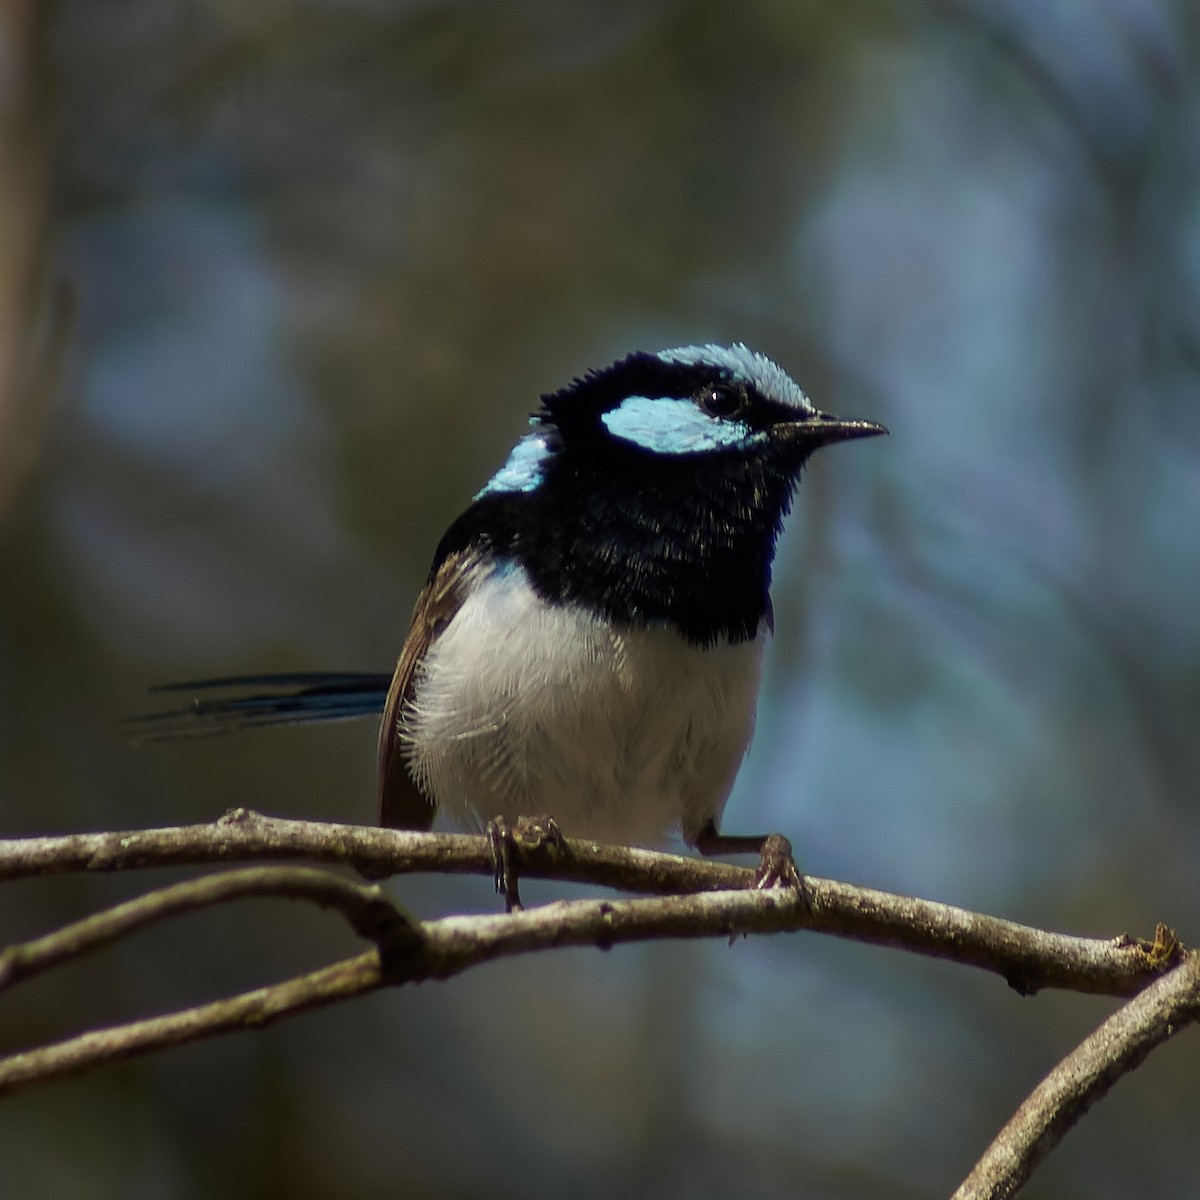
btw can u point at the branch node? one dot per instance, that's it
(1165, 950)
(539, 842)
(395, 933)
(239, 816)
(1021, 983)
(604, 940)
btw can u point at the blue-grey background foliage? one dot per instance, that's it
(280, 283)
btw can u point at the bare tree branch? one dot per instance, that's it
(433, 950)
(242, 835)
(1029, 959)
(1119, 1046)
(366, 908)
(682, 898)
(249, 1010)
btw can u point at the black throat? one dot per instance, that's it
(688, 543)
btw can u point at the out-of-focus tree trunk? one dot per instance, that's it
(24, 187)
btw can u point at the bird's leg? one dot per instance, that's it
(504, 873)
(776, 866)
(526, 834)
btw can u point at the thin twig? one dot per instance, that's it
(1119, 1046)
(1029, 959)
(407, 951)
(243, 835)
(368, 911)
(443, 948)
(249, 1010)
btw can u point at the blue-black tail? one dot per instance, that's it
(261, 700)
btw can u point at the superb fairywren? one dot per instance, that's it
(589, 641)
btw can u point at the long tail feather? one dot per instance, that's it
(298, 699)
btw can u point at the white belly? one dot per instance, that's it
(525, 708)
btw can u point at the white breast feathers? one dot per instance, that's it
(527, 708)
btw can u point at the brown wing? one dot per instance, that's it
(402, 804)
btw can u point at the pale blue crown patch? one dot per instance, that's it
(666, 425)
(523, 472)
(745, 365)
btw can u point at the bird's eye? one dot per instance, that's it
(721, 401)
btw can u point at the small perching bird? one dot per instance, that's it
(589, 641)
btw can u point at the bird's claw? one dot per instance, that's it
(525, 835)
(776, 866)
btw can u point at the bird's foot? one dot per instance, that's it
(525, 835)
(538, 833)
(504, 873)
(776, 866)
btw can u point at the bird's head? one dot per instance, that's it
(654, 489)
(695, 419)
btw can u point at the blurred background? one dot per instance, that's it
(279, 284)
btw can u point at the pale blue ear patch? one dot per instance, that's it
(524, 470)
(668, 425)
